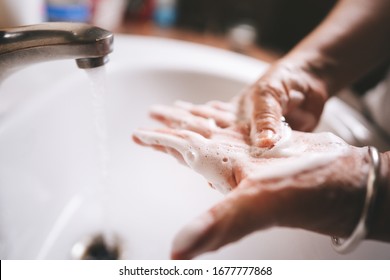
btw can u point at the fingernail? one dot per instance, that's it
(266, 139)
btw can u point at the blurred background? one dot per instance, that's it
(273, 25)
(264, 29)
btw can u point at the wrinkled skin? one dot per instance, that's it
(327, 60)
(323, 198)
(265, 188)
(289, 90)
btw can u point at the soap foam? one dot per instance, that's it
(295, 152)
(218, 158)
(282, 148)
(300, 152)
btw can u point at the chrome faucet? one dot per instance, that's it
(19, 46)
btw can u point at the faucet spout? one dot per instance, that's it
(88, 45)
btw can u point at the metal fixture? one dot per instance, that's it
(97, 247)
(20, 46)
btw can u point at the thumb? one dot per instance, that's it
(243, 211)
(266, 117)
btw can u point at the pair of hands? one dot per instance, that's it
(273, 176)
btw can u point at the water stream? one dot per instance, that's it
(96, 196)
(97, 77)
(98, 81)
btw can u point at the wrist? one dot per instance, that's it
(336, 201)
(380, 225)
(364, 224)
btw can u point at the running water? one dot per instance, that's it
(98, 90)
(97, 77)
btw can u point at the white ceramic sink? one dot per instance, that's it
(52, 191)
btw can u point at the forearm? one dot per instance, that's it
(353, 39)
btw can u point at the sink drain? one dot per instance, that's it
(97, 247)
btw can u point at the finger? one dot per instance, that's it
(296, 98)
(266, 118)
(301, 120)
(175, 142)
(243, 211)
(216, 111)
(179, 118)
(161, 138)
(165, 150)
(308, 101)
(175, 154)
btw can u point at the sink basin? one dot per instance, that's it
(58, 186)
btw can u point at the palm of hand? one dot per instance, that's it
(292, 184)
(213, 139)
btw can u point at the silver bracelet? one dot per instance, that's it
(361, 229)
